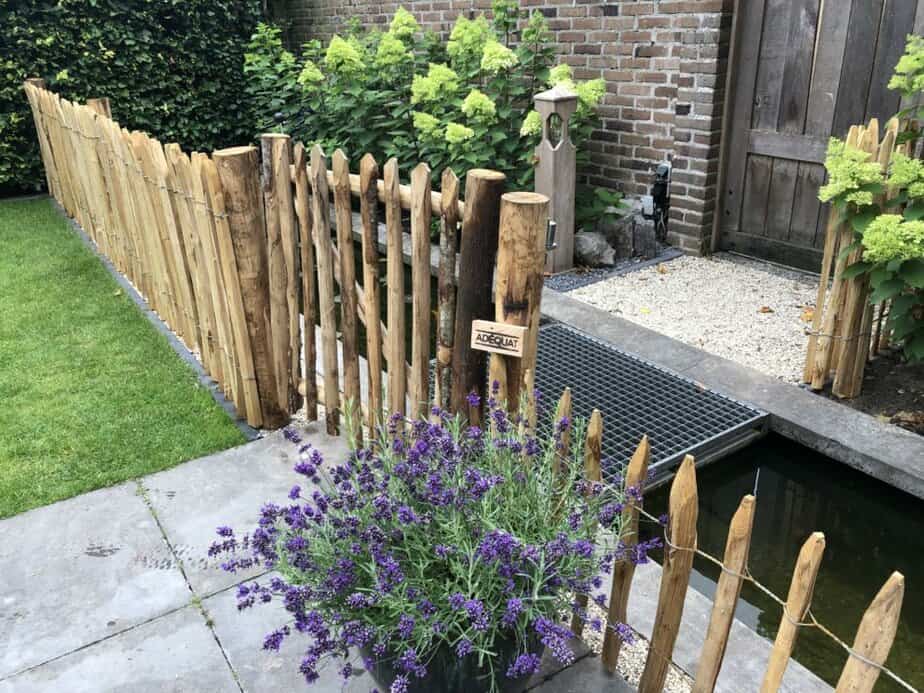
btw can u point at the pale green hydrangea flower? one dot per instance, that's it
(286, 59)
(497, 57)
(907, 173)
(591, 92)
(343, 57)
(889, 237)
(310, 75)
(391, 52)
(560, 73)
(456, 133)
(478, 106)
(468, 37)
(532, 124)
(426, 124)
(849, 169)
(403, 25)
(440, 82)
(909, 72)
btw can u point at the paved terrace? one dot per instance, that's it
(113, 591)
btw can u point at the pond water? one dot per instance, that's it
(870, 530)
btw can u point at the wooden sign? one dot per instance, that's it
(498, 338)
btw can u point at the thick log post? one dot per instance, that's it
(478, 248)
(524, 218)
(238, 171)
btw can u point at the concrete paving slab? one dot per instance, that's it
(241, 636)
(227, 488)
(585, 676)
(78, 571)
(174, 653)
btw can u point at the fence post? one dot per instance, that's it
(797, 606)
(874, 638)
(477, 250)
(624, 569)
(421, 210)
(556, 172)
(675, 576)
(368, 211)
(524, 218)
(726, 596)
(238, 172)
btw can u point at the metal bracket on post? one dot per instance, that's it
(556, 172)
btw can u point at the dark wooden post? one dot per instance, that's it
(238, 171)
(478, 247)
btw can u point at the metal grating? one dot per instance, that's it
(636, 398)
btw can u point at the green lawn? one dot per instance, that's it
(90, 393)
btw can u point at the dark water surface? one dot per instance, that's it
(870, 530)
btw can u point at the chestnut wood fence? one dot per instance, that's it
(846, 330)
(865, 658)
(242, 256)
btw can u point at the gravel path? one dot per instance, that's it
(632, 658)
(744, 310)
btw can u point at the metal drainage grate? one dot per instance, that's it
(636, 398)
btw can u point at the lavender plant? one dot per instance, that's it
(439, 540)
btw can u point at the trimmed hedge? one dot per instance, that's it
(173, 68)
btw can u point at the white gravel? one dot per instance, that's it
(744, 310)
(632, 658)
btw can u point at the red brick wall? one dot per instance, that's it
(664, 62)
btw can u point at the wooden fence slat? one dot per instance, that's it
(623, 568)
(727, 592)
(797, 606)
(474, 297)
(280, 236)
(420, 290)
(309, 294)
(562, 411)
(675, 577)
(33, 87)
(592, 475)
(368, 211)
(395, 345)
(238, 174)
(210, 260)
(874, 638)
(349, 327)
(214, 197)
(320, 215)
(446, 291)
(179, 192)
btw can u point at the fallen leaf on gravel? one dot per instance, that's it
(661, 269)
(765, 309)
(808, 314)
(644, 311)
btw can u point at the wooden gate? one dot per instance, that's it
(802, 71)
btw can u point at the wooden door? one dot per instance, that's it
(804, 70)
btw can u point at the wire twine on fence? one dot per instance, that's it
(812, 621)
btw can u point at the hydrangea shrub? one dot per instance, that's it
(890, 232)
(438, 538)
(465, 102)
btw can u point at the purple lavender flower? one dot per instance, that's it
(464, 648)
(406, 627)
(473, 399)
(526, 664)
